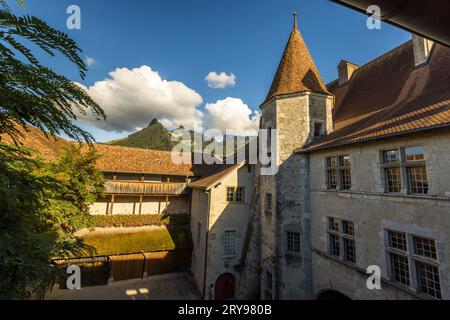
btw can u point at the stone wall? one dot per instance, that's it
(374, 212)
(294, 117)
(223, 216)
(199, 215)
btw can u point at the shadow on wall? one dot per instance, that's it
(229, 221)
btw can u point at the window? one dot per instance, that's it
(333, 224)
(235, 194)
(349, 250)
(414, 154)
(331, 173)
(348, 228)
(318, 130)
(239, 195)
(416, 169)
(344, 172)
(418, 181)
(293, 242)
(341, 235)
(405, 165)
(269, 280)
(428, 279)
(400, 269)
(392, 171)
(230, 194)
(229, 243)
(335, 247)
(199, 232)
(397, 241)
(425, 247)
(393, 180)
(338, 173)
(268, 295)
(268, 202)
(414, 265)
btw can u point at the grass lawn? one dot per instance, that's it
(155, 240)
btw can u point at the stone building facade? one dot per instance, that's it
(363, 181)
(363, 177)
(219, 223)
(374, 213)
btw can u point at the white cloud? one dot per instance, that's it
(232, 113)
(132, 98)
(220, 80)
(90, 62)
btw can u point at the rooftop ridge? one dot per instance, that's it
(380, 57)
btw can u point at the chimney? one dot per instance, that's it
(345, 71)
(422, 49)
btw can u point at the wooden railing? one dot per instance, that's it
(146, 188)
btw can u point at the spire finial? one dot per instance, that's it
(295, 19)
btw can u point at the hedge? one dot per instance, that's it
(118, 221)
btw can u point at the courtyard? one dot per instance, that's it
(177, 286)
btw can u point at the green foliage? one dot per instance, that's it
(118, 221)
(157, 137)
(32, 93)
(41, 206)
(156, 240)
(154, 137)
(4, 5)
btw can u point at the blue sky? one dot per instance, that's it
(184, 40)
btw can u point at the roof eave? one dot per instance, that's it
(388, 136)
(149, 173)
(293, 94)
(215, 182)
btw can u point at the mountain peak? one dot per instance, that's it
(154, 122)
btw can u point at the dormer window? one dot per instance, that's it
(319, 130)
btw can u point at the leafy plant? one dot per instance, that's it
(32, 93)
(118, 221)
(41, 207)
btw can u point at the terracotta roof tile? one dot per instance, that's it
(213, 177)
(49, 147)
(133, 160)
(389, 96)
(297, 71)
(112, 158)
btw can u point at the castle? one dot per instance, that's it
(363, 181)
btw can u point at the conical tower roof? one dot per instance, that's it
(297, 71)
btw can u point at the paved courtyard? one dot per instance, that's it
(177, 286)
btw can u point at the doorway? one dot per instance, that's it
(224, 289)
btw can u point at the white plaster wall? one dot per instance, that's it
(99, 207)
(152, 205)
(125, 204)
(228, 216)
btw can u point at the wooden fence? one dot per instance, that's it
(102, 270)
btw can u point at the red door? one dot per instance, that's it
(225, 287)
